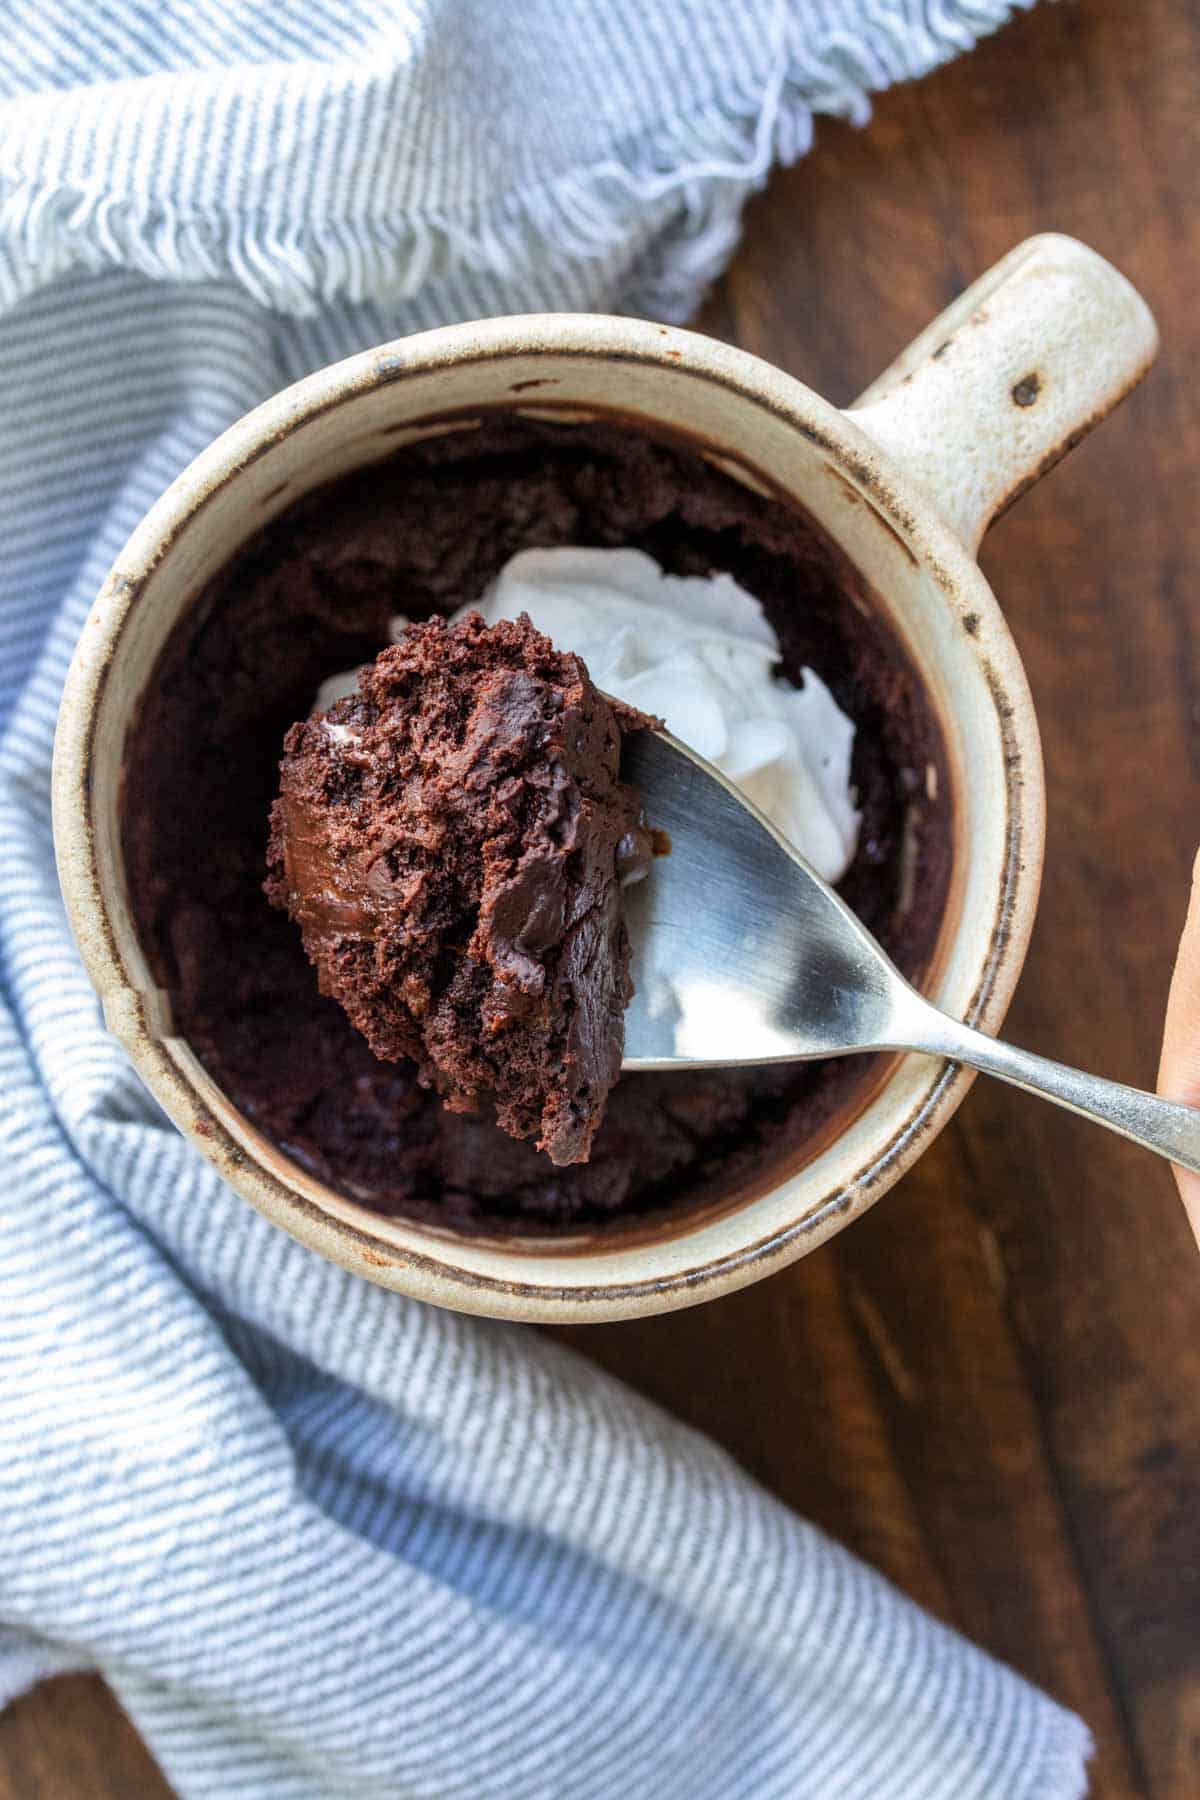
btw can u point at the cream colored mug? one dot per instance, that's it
(906, 481)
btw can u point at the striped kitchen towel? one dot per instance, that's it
(321, 1540)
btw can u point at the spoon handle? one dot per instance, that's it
(1164, 1126)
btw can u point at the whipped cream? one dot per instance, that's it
(699, 652)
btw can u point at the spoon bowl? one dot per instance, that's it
(742, 953)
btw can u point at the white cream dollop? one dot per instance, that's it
(699, 652)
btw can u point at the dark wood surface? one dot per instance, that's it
(990, 1387)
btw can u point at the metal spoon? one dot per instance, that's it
(743, 954)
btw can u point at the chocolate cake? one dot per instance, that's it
(420, 534)
(451, 840)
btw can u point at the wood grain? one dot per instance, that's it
(990, 1386)
(69, 1740)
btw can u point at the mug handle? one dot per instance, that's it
(1010, 377)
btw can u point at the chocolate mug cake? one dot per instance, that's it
(452, 840)
(424, 533)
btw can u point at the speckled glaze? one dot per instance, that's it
(907, 480)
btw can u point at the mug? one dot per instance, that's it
(906, 481)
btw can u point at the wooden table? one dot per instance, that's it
(990, 1387)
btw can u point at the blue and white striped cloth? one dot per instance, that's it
(321, 1540)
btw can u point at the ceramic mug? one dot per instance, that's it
(906, 481)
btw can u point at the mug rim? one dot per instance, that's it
(943, 556)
